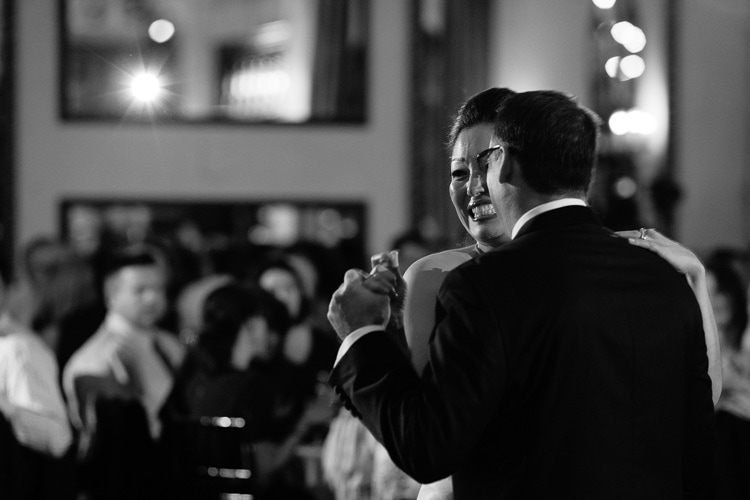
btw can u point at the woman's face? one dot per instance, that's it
(254, 341)
(468, 187)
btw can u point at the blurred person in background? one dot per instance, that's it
(235, 371)
(69, 308)
(729, 298)
(320, 268)
(306, 345)
(411, 246)
(189, 305)
(35, 434)
(128, 357)
(30, 396)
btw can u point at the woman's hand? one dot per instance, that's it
(680, 257)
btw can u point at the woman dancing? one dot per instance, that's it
(469, 138)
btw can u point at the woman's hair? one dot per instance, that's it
(480, 108)
(227, 308)
(730, 283)
(279, 260)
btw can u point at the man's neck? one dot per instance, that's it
(533, 200)
(552, 203)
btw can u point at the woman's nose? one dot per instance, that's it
(475, 186)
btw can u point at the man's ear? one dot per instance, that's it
(508, 166)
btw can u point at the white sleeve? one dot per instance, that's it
(353, 337)
(35, 404)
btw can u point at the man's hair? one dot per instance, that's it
(479, 108)
(554, 138)
(129, 257)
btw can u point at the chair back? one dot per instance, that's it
(210, 456)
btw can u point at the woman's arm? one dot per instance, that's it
(423, 280)
(687, 263)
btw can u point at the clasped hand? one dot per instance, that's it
(365, 299)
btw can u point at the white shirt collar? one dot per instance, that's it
(117, 323)
(545, 207)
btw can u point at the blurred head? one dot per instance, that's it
(471, 133)
(728, 300)
(282, 280)
(411, 247)
(189, 304)
(53, 280)
(135, 287)
(553, 142)
(242, 323)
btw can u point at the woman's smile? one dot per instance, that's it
(480, 210)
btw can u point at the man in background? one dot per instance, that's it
(128, 357)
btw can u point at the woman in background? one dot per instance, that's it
(306, 345)
(234, 404)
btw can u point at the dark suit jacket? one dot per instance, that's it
(566, 364)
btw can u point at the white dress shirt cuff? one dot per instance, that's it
(353, 337)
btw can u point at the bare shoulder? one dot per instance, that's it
(444, 261)
(423, 280)
(424, 277)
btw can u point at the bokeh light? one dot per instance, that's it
(629, 36)
(161, 30)
(612, 66)
(632, 121)
(625, 187)
(605, 4)
(632, 66)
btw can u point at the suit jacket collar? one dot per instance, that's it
(559, 217)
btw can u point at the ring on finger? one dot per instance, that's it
(642, 233)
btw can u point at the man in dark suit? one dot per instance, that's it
(566, 364)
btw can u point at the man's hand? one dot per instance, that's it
(361, 300)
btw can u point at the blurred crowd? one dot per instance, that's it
(150, 370)
(154, 370)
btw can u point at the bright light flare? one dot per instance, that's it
(161, 30)
(146, 87)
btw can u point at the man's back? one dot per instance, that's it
(607, 394)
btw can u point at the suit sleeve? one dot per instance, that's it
(429, 425)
